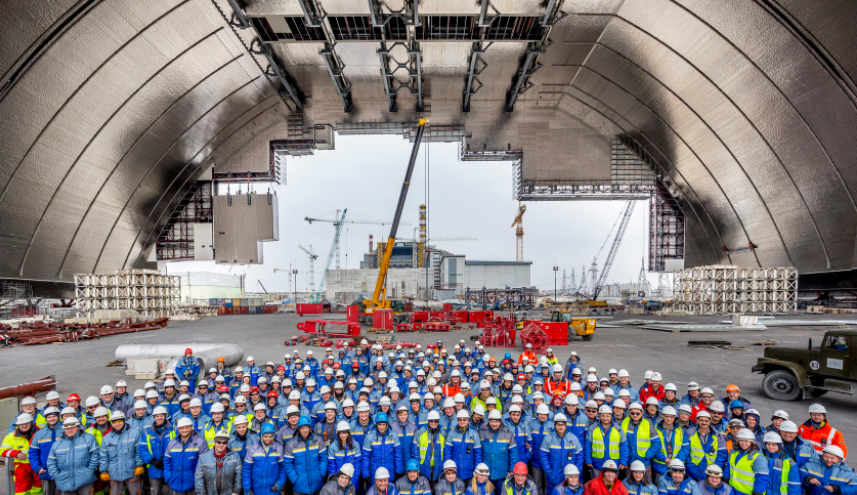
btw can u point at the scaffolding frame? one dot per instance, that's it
(726, 289)
(666, 229)
(148, 292)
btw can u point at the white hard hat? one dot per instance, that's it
(571, 470)
(294, 395)
(27, 401)
(343, 426)
(592, 378)
(139, 393)
(184, 422)
(448, 402)
(240, 420)
(382, 474)
(141, 404)
(250, 358)
(773, 437)
(668, 411)
(788, 426)
(515, 408)
(656, 377)
(292, 409)
(653, 401)
(693, 386)
(300, 375)
(817, 409)
(262, 379)
(529, 346)
(638, 466)
(330, 406)
(217, 407)
(462, 414)
(635, 405)
(171, 371)
(117, 416)
(780, 414)
(259, 407)
(647, 375)
(491, 400)
(480, 410)
(543, 409)
(363, 407)
(717, 406)
(222, 434)
(239, 369)
(598, 396)
(605, 409)
(484, 384)
(572, 399)
(557, 368)
(433, 416)
(195, 402)
(70, 423)
(67, 410)
(101, 411)
(833, 449)
(623, 373)
(385, 401)
(591, 404)
(703, 414)
(169, 382)
(517, 389)
(159, 410)
(560, 418)
(459, 398)
(746, 434)
(52, 395)
(670, 386)
(184, 397)
(107, 389)
(685, 408)
(455, 373)
(149, 385)
(482, 468)
(509, 377)
(624, 393)
(24, 419)
(706, 391)
(495, 414)
(347, 469)
(324, 390)
(714, 470)
(449, 464)
(348, 403)
(676, 465)
(183, 383)
(609, 464)
(612, 371)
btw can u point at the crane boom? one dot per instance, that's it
(377, 300)
(626, 217)
(318, 295)
(362, 222)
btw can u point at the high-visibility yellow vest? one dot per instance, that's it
(598, 443)
(784, 477)
(14, 442)
(644, 435)
(210, 431)
(697, 454)
(678, 440)
(92, 430)
(741, 475)
(424, 446)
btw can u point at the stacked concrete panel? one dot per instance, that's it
(725, 289)
(148, 292)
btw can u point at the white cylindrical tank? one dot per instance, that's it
(206, 353)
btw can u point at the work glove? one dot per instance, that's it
(139, 471)
(276, 488)
(105, 477)
(158, 463)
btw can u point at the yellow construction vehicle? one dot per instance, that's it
(583, 327)
(379, 296)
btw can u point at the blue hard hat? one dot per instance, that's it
(382, 418)
(508, 356)
(304, 421)
(736, 404)
(268, 428)
(413, 465)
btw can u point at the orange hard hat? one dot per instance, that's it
(733, 388)
(221, 360)
(520, 468)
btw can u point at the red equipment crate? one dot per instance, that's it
(352, 313)
(403, 327)
(417, 326)
(535, 335)
(419, 316)
(382, 319)
(438, 315)
(309, 309)
(557, 331)
(437, 326)
(459, 315)
(447, 307)
(319, 327)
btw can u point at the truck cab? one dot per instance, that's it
(793, 373)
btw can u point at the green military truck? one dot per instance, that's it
(794, 373)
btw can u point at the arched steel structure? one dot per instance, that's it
(110, 109)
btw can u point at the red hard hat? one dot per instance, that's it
(336, 366)
(281, 368)
(520, 468)
(355, 363)
(188, 351)
(72, 397)
(273, 394)
(522, 376)
(223, 389)
(254, 389)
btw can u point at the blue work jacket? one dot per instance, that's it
(180, 460)
(119, 454)
(40, 448)
(557, 452)
(72, 462)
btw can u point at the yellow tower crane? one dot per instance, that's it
(519, 232)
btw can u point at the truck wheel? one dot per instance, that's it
(781, 385)
(588, 337)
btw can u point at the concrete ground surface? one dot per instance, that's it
(80, 367)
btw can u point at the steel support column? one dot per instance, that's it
(473, 73)
(522, 81)
(340, 83)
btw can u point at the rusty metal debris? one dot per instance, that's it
(41, 332)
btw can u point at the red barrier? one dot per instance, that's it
(309, 309)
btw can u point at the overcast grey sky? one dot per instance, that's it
(365, 173)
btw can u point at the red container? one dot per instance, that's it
(382, 319)
(242, 310)
(557, 332)
(419, 316)
(447, 307)
(459, 315)
(352, 313)
(403, 327)
(309, 309)
(271, 309)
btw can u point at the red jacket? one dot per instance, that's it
(597, 487)
(648, 392)
(822, 437)
(696, 409)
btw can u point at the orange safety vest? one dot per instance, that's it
(822, 437)
(450, 390)
(561, 387)
(531, 356)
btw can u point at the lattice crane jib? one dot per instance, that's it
(334, 253)
(623, 226)
(518, 223)
(312, 258)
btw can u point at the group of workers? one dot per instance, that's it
(363, 422)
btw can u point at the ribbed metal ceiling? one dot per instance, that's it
(110, 108)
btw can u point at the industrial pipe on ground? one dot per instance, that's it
(43, 385)
(206, 354)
